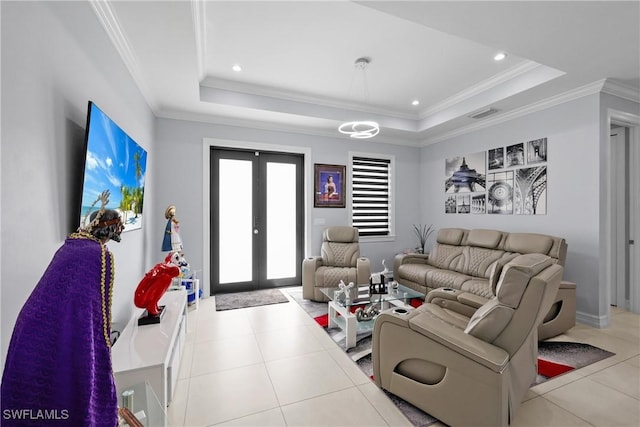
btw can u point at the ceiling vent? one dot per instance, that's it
(482, 113)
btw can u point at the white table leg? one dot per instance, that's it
(350, 322)
(350, 339)
(332, 314)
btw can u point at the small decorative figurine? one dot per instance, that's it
(153, 285)
(378, 281)
(368, 313)
(377, 284)
(346, 292)
(171, 240)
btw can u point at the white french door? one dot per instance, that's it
(256, 220)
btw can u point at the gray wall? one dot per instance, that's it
(179, 180)
(56, 57)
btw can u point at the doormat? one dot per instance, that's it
(554, 357)
(236, 300)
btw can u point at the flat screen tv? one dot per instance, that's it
(113, 162)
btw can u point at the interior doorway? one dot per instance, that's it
(624, 225)
(621, 206)
(257, 219)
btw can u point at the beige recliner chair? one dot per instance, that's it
(469, 371)
(340, 260)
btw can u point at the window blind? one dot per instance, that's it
(370, 196)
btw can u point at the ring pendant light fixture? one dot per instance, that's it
(361, 129)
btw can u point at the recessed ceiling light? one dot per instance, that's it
(237, 68)
(500, 56)
(415, 102)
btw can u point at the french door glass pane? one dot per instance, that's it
(236, 220)
(281, 220)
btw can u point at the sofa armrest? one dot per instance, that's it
(473, 300)
(312, 263)
(443, 293)
(488, 355)
(409, 259)
(415, 259)
(309, 267)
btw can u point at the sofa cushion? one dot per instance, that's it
(478, 286)
(527, 243)
(340, 254)
(341, 234)
(440, 278)
(450, 236)
(434, 313)
(327, 277)
(477, 261)
(516, 275)
(484, 238)
(445, 256)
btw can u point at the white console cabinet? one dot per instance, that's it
(152, 353)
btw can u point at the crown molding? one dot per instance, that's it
(291, 96)
(107, 17)
(257, 90)
(588, 89)
(490, 83)
(620, 90)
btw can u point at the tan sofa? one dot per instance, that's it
(460, 272)
(472, 372)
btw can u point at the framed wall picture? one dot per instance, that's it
(329, 186)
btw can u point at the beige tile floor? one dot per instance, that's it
(273, 366)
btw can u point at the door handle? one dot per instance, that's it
(631, 242)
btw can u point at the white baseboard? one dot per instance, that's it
(591, 320)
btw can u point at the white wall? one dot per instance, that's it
(180, 181)
(56, 57)
(574, 138)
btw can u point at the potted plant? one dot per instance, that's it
(422, 232)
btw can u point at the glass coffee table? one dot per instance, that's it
(341, 313)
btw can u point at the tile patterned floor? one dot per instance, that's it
(274, 366)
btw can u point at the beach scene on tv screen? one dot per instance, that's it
(116, 163)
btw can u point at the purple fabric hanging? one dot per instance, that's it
(58, 368)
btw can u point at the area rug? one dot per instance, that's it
(559, 357)
(554, 357)
(236, 300)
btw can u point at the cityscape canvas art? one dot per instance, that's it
(504, 180)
